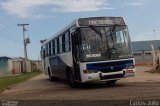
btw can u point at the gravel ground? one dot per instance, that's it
(144, 86)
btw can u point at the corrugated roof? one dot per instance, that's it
(4, 58)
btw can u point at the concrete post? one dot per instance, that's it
(154, 57)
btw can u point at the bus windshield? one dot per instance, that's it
(100, 43)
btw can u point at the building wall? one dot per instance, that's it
(4, 69)
(16, 65)
(37, 65)
(28, 66)
(12, 66)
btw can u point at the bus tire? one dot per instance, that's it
(51, 78)
(71, 79)
(111, 82)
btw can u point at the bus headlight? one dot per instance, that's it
(130, 66)
(89, 71)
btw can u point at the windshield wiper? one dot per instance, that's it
(95, 30)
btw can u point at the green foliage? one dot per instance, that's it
(7, 81)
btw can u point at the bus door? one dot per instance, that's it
(75, 55)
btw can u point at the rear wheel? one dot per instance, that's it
(51, 78)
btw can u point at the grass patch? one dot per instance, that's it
(7, 81)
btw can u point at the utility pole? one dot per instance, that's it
(25, 45)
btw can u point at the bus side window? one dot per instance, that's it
(60, 44)
(46, 51)
(63, 43)
(53, 47)
(67, 42)
(43, 51)
(43, 54)
(49, 49)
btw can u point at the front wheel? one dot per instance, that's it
(71, 80)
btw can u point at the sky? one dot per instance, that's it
(46, 17)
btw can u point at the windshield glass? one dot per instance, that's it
(103, 43)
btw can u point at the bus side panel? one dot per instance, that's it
(43, 67)
(65, 61)
(58, 67)
(62, 69)
(54, 66)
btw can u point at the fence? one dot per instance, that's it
(143, 59)
(14, 66)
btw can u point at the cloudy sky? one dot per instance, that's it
(46, 17)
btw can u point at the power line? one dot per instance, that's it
(5, 32)
(7, 35)
(8, 32)
(11, 20)
(3, 35)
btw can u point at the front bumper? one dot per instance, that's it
(99, 76)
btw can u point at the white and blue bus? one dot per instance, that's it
(88, 50)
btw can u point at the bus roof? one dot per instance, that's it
(59, 33)
(77, 23)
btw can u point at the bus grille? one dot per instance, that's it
(107, 67)
(111, 76)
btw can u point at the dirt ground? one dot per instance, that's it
(144, 86)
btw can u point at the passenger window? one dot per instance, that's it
(43, 52)
(67, 42)
(63, 43)
(57, 45)
(60, 44)
(53, 47)
(43, 55)
(49, 49)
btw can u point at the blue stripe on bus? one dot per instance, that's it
(109, 66)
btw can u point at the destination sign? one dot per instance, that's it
(101, 21)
